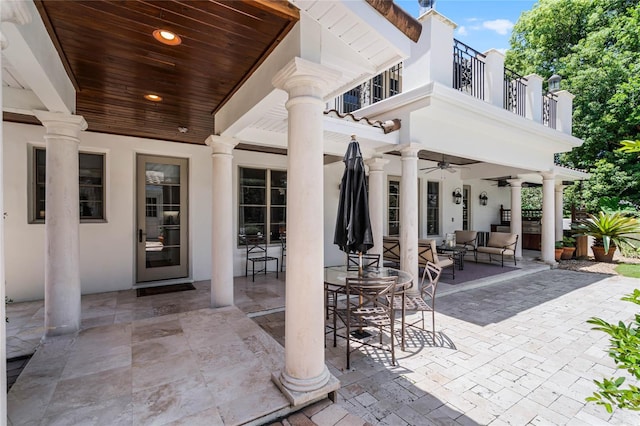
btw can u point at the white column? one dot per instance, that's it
(534, 98)
(62, 217)
(564, 113)
(376, 201)
(17, 13)
(548, 218)
(516, 212)
(222, 237)
(431, 58)
(558, 211)
(409, 213)
(494, 78)
(305, 375)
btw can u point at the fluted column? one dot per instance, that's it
(548, 218)
(409, 213)
(376, 201)
(62, 217)
(222, 237)
(305, 375)
(516, 212)
(558, 211)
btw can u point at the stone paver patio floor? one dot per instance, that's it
(523, 354)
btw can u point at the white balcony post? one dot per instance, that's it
(494, 78)
(305, 376)
(534, 98)
(564, 118)
(62, 217)
(223, 236)
(516, 213)
(376, 201)
(431, 57)
(409, 212)
(548, 218)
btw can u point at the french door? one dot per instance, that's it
(161, 234)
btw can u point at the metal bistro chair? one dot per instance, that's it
(283, 250)
(257, 253)
(331, 292)
(426, 300)
(367, 305)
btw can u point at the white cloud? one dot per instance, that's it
(462, 30)
(501, 26)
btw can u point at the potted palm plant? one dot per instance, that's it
(558, 250)
(609, 230)
(568, 247)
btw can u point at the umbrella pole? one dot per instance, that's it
(360, 263)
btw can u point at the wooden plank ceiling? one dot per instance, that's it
(113, 60)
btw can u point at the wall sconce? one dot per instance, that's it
(483, 198)
(457, 196)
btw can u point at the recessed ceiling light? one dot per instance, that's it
(153, 97)
(167, 37)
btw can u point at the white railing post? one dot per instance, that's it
(564, 112)
(494, 78)
(534, 98)
(432, 56)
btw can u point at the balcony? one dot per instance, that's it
(479, 75)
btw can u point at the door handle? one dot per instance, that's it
(140, 234)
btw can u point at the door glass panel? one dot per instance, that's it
(162, 211)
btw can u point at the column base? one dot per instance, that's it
(304, 392)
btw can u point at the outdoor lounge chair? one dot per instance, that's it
(427, 252)
(391, 251)
(468, 240)
(500, 244)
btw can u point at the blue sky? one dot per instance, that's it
(481, 24)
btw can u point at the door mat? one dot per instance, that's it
(151, 291)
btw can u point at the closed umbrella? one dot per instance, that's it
(353, 226)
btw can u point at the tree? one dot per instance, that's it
(595, 46)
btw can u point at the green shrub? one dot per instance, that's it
(625, 351)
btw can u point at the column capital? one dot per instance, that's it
(301, 72)
(221, 144)
(410, 149)
(548, 175)
(376, 164)
(60, 124)
(515, 183)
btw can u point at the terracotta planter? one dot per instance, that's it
(567, 253)
(558, 254)
(600, 256)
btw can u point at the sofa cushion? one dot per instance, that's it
(502, 239)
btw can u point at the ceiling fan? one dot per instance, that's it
(443, 165)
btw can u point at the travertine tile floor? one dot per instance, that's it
(519, 352)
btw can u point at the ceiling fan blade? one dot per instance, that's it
(450, 169)
(429, 168)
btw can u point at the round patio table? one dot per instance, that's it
(337, 275)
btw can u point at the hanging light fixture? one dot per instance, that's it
(457, 196)
(483, 198)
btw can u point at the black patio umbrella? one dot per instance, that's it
(353, 226)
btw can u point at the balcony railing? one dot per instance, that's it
(549, 110)
(380, 87)
(468, 70)
(515, 92)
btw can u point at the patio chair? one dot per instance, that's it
(425, 301)
(368, 305)
(468, 240)
(256, 248)
(391, 251)
(283, 250)
(427, 252)
(500, 244)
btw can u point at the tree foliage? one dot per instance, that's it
(595, 46)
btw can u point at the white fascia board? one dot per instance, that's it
(33, 55)
(254, 98)
(20, 101)
(567, 173)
